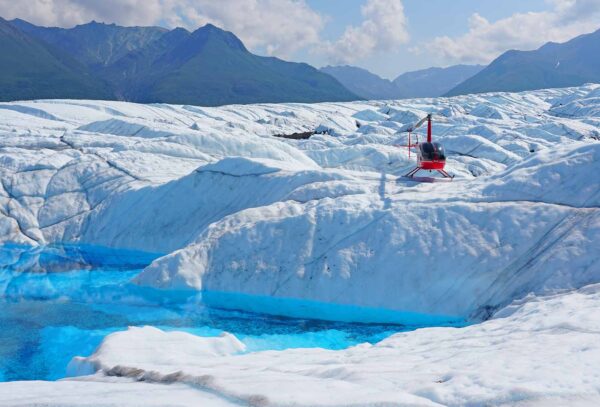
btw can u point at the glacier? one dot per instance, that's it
(296, 227)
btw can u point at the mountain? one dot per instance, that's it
(213, 67)
(364, 83)
(433, 82)
(131, 72)
(551, 66)
(209, 66)
(30, 69)
(94, 44)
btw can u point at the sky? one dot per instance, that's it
(387, 37)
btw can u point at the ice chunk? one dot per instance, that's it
(131, 348)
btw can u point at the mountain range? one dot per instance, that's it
(31, 69)
(207, 67)
(553, 65)
(431, 82)
(212, 67)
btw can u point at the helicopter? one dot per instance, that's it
(430, 155)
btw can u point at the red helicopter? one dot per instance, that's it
(430, 155)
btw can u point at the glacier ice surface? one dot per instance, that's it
(328, 220)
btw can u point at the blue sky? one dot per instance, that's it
(430, 18)
(388, 37)
(426, 20)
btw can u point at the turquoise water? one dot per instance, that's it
(60, 302)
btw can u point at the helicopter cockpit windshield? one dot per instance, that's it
(432, 151)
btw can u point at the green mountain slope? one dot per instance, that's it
(94, 44)
(212, 67)
(153, 65)
(29, 69)
(552, 66)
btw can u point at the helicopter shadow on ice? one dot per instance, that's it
(414, 181)
(386, 200)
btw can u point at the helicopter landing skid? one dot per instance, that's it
(411, 175)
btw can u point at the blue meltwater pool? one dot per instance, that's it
(61, 301)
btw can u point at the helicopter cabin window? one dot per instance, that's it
(432, 151)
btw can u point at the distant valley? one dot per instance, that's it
(431, 82)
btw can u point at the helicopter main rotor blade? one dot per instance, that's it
(418, 124)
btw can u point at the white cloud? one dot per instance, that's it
(384, 28)
(280, 27)
(524, 31)
(66, 13)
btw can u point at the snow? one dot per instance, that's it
(119, 346)
(327, 219)
(395, 254)
(327, 228)
(116, 393)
